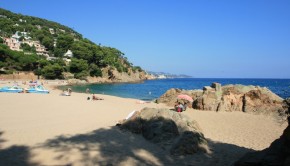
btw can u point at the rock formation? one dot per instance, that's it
(111, 75)
(170, 130)
(252, 99)
(277, 154)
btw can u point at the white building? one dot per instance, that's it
(18, 35)
(68, 54)
(51, 30)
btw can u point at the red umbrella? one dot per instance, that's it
(185, 97)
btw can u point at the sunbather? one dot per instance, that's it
(96, 98)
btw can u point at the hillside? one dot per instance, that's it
(50, 49)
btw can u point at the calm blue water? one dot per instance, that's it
(152, 89)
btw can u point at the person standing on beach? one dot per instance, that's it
(69, 91)
(185, 105)
(87, 90)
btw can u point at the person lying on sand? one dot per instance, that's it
(96, 98)
(142, 102)
(65, 93)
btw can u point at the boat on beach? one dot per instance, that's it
(12, 89)
(36, 89)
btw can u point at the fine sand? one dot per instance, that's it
(49, 129)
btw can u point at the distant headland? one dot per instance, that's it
(163, 75)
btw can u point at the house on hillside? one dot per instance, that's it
(38, 27)
(67, 57)
(40, 49)
(22, 20)
(18, 35)
(51, 30)
(3, 16)
(68, 54)
(12, 43)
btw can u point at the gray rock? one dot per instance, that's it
(188, 143)
(216, 86)
(170, 130)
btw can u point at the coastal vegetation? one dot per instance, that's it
(88, 58)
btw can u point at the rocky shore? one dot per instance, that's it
(109, 76)
(229, 98)
(249, 99)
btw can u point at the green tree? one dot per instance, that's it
(38, 34)
(43, 62)
(52, 71)
(28, 62)
(27, 47)
(48, 42)
(82, 50)
(63, 43)
(95, 71)
(78, 65)
(137, 68)
(58, 52)
(81, 75)
(37, 72)
(58, 61)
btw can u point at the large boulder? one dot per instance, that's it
(170, 97)
(277, 154)
(170, 130)
(252, 99)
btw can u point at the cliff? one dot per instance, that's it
(112, 75)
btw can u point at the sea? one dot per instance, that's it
(152, 89)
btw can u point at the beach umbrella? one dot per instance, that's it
(185, 97)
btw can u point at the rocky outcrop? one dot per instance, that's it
(111, 75)
(252, 99)
(170, 130)
(277, 154)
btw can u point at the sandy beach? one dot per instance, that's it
(49, 129)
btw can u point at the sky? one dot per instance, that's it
(200, 38)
